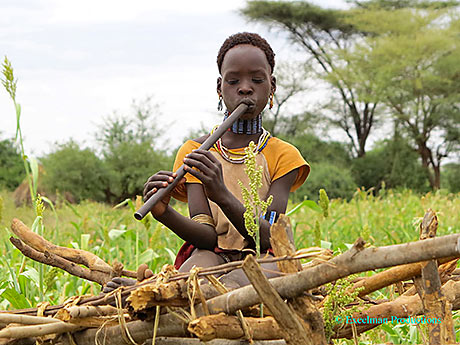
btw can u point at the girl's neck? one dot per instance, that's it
(251, 126)
(242, 132)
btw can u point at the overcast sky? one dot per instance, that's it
(78, 61)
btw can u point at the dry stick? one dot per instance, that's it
(26, 319)
(38, 330)
(77, 256)
(169, 326)
(139, 330)
(292, 329)
(428, 287)
(56, 261)
(229, 327)
(310, 316)
(391, 276)
(355, 260)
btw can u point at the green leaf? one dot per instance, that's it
(17, 300)
(116, 233)
(34, 168)
(18, 117)
(36, 224)
(326, 244)
(84, 239)
(32, 274)
(172, 255)
(307, 203)
(348, 245)
(147, 256)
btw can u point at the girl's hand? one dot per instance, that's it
(160, 180)
(209, 173)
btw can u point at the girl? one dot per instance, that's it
(215, 232)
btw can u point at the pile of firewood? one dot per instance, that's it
(194, 307)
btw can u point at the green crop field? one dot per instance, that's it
(113, 234)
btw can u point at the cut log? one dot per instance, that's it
(229, 327)
(434, 303)
(292, 329)
(308, 313)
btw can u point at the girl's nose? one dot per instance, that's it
(245, 89)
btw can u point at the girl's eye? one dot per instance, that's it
(258, 80)
(232, 81)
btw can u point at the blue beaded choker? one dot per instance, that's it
(252, 126)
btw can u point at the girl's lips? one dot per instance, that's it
(249, 102)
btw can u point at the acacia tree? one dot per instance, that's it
(412, 58)
(326, 36)
(318, 32)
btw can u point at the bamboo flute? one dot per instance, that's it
(211, 140)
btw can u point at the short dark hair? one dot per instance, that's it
(246, 38)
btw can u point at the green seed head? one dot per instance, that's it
(324, 202)
(9, 82)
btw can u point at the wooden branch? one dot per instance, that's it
(402, 307)
(292, 329)
(25, 319)
(51, 259)
(229, 327)
(355, 260)
(434, 303)
(187, 341)
(77, 256)
(391, 276)
(312, 320)
(139, 330)
(20, 332)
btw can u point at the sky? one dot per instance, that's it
(78, 62)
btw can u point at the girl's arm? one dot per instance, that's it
(210, 174)
(200, 235)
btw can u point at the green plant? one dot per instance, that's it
(339, 297)
(255, 207)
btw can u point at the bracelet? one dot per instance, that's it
(204, 218)
(271, 217)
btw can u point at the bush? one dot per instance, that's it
(77, 171)
(336, 180)
(393, 162)
(11, 165)
(450, 177)
(130, 165)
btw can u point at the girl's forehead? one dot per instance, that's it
(245, 55)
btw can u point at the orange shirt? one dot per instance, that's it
(277, 159)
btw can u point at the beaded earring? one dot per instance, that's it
(219, 105)
(271, 100)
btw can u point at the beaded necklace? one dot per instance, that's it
(252, 126)
(239, 157)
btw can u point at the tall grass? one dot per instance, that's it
(114, 234)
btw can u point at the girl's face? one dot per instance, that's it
(246, 77)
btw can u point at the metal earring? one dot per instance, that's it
(271, 100)
(219, 105)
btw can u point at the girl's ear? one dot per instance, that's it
(273, 83)
(219, 85)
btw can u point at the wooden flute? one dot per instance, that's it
(208, 143)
